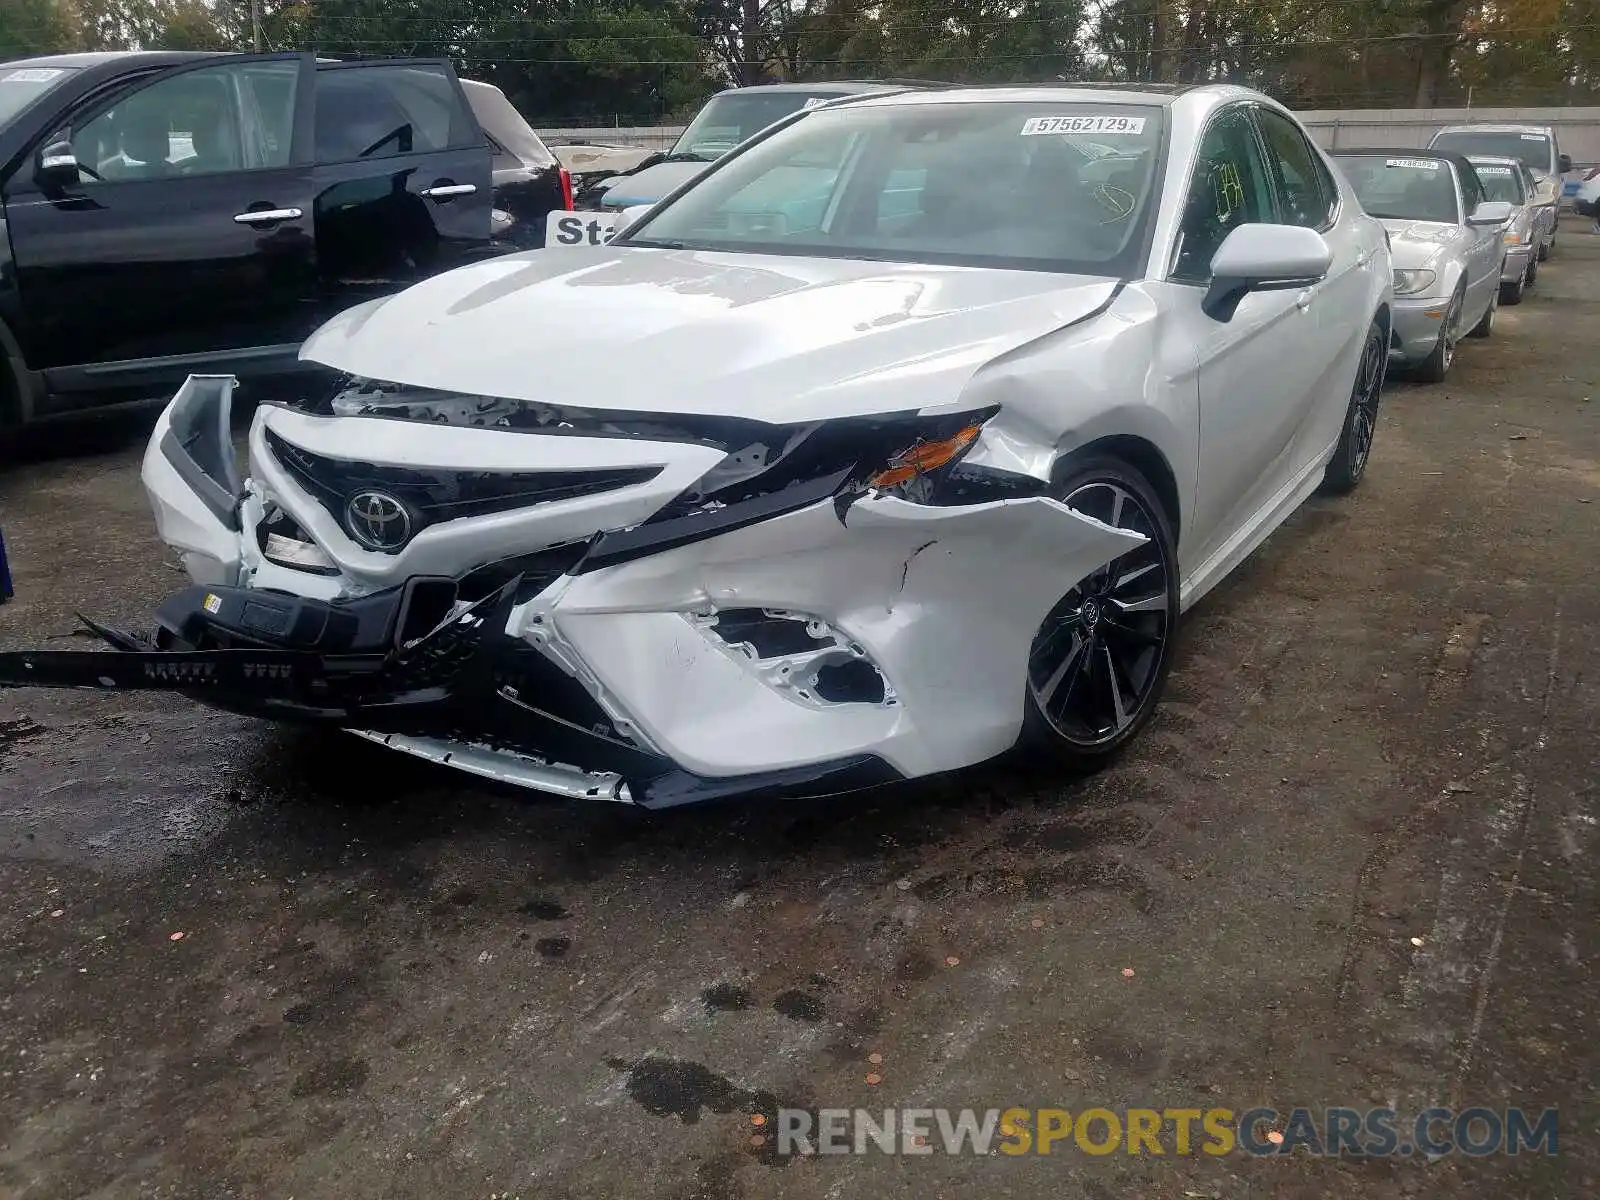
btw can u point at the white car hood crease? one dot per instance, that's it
(769, 337)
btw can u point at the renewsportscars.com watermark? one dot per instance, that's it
(1262, 1132)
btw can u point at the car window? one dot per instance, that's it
(1471, 191)
(1401, 187)
(381, 111)
(1306, 191)
(1535, 149)
(21, 85)
(1501, 183)
(996, 184)
(731, 117)
(203, 122)
(1228, 189)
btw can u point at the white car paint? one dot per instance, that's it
(944, 599)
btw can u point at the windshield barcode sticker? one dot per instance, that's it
(1494, 170)
(32, 75)
(1533, 137)
(1416, 164)
(1038, 126)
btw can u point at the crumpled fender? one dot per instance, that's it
(944, 600)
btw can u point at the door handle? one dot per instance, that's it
(443, 191)
(267, 216)
(1303, 300)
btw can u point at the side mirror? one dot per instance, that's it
(1263, 258)
(1491, 212)
(629, 217)
(1564, 163)
(57, 166)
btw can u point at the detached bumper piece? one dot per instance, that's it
(412, 669)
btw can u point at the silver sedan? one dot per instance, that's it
(1509, 179)
(1445, 240)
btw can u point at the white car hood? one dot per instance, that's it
(767, 337)
(1422, 244)
(652, 183)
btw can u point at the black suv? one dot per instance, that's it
(169, 214)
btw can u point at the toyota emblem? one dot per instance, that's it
(377, 520)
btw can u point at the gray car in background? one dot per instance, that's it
(1446, 245)
(1509, 180)
(728, 118)
(1535, 145)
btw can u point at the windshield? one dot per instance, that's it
(1501, 182)
(1404, 189)
(730, 118)
(1027, 185)
(21, 86)
(1531, 148)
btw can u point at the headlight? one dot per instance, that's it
(1413, 283)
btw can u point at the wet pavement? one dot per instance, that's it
(1352, 864)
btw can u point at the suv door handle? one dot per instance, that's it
(443, 191)
(267, 216)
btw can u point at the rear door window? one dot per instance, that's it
(371, 112)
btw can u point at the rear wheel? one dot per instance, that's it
(1349, 461)
(1099, 661)
(1533, 271)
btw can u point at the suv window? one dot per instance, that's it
(1228, 189)
(1303, 184)
(368, 111)
(203, 122)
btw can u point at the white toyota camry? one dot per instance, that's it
(901, 436)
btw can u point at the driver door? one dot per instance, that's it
(1255, 370)
(185, 245)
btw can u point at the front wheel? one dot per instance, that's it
(1349, 461)
(1437, 365)
(1099, 661)
(1485, 325)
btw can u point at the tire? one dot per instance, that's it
(1349, 461)
(1113, 628)
(1485, 326)
(1546, 249)
(1511, 293)
(1437, 365)
(1533, 272)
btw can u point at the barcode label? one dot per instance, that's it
(1037, 126)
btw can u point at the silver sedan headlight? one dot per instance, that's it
(1413, 283)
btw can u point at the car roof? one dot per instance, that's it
(1501, 127)
(102, 57)
(1450, 156)
(841, 87)
(1154, 95)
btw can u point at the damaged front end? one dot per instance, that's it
(646, 608)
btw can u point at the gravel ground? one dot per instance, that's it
(1352, 863)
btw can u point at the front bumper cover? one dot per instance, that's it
(808, 638)
(453, 690)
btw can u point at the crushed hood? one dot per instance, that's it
(766, 337)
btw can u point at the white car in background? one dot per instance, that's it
(1535, 145)
(893, 442)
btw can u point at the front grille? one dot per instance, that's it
(433, 496)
